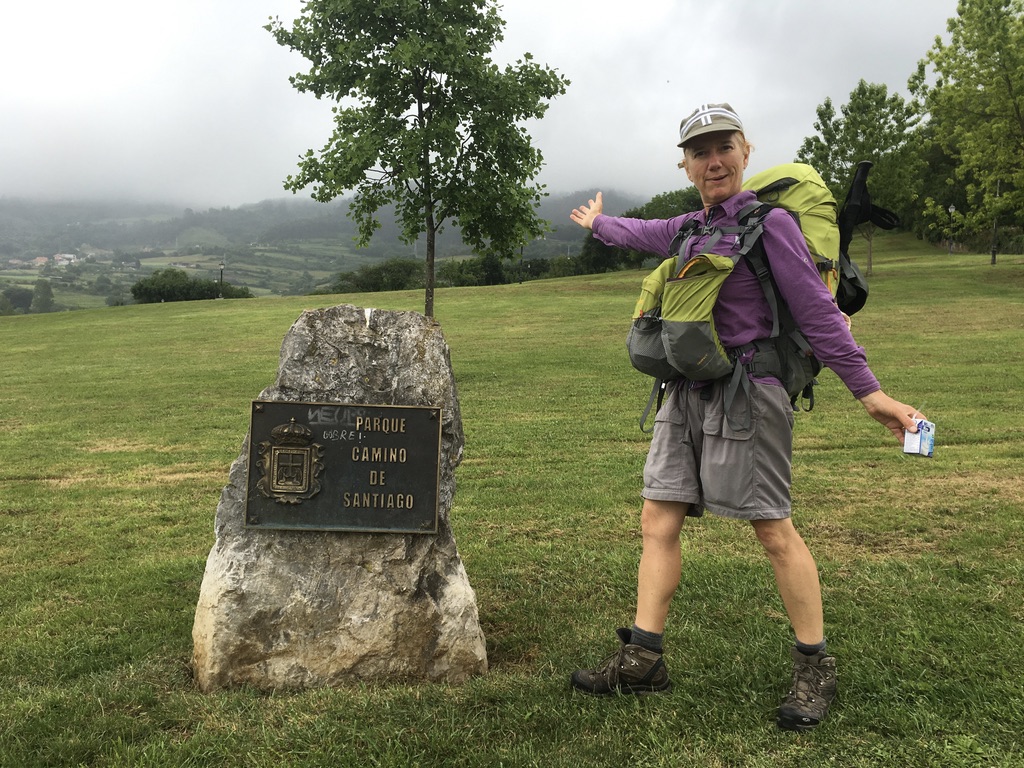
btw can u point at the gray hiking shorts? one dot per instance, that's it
(697, 458)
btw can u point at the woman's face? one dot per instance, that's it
(715, 163)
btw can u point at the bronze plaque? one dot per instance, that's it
(331, 467)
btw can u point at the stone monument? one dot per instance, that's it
(334, 560)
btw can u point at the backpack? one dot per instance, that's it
(800, 190)
(673, 334)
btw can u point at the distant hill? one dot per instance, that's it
(282, 246)
(30, 228)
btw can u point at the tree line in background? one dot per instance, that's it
(175, 285)
(17, 300)
(115, 246)
(950, 160)
(593, 257)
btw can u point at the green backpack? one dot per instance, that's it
(673, 333)
(799, 189)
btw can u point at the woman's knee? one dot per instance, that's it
(778, 537)
(662, 520)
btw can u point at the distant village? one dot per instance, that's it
(58, 260)
(67, 259)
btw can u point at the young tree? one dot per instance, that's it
(975, 106)
(425, 120)
(874, 125)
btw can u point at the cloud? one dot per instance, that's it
(190, 102)
(635, 78)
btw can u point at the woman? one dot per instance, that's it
(698, 460)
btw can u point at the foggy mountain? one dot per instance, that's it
(33, 228)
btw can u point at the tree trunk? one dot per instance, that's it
(868, 233)
(428, 269)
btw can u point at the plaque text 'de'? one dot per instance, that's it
(331, 467)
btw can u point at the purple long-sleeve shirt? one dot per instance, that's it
(742, 313)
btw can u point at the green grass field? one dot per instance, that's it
(117, 427)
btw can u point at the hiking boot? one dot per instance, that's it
(631, 669)
(814, 687)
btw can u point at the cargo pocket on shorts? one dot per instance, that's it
(719, 421)
(728, 466)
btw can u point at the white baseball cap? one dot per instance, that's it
(708, 118)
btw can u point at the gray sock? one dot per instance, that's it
(810, 650)
(652, 641)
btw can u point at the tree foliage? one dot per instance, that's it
(42, 297)
(400, 274)
(175, 285)
(876, 126)
(391, 275)
(669, 204)
(19, 298)
(975, 105)
(873, 125)
(425, 120)
(958, 173)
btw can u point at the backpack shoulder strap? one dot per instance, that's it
(685, 232)
(749, 228)
(756, 209)
(751, 224)
(758, 261)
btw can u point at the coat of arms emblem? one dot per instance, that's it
(290, 464)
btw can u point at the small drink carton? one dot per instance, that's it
(922, 442)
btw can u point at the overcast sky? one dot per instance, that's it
(189, 101)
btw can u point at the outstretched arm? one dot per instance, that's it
(585, 214)
(891, 414)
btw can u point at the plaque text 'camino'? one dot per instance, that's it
(320, 466)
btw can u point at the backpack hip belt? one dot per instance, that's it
(763, 362)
